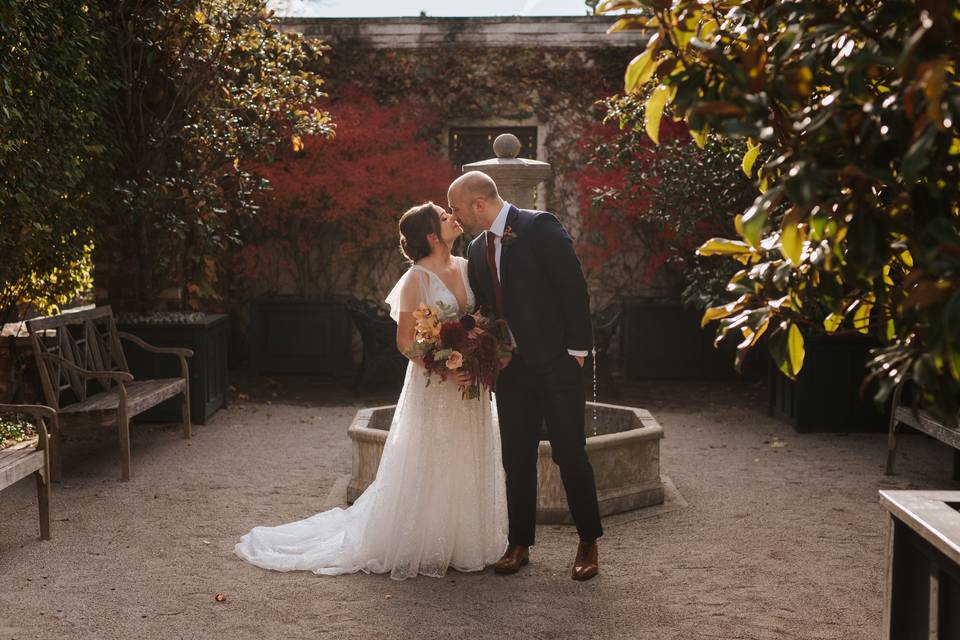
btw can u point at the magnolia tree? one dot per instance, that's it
(328, 224)
(855, 107)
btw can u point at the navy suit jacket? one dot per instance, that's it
(545, 298)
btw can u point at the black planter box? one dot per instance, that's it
(665, 340)
(826, 394)
(299, 336)
(207, 336)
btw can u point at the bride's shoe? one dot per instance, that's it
(587, 563)
(515, 557)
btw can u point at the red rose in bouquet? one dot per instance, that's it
(453, 335)
(476, 343)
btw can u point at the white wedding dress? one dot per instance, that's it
(438, 500)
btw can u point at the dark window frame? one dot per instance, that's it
(472, 144)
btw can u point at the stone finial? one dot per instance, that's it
(506, 145)
(517, 178)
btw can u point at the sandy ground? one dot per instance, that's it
(776, 542)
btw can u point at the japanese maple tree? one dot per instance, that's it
(329, 222)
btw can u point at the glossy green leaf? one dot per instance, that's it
(654, 112)
(750, 157)
(640, 70)
(832, 322)
(795, 349)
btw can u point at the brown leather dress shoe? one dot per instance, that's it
(587, 563)
(515, 557)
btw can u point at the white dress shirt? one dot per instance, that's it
(497, 228)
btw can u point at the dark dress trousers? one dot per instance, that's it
(546, 304)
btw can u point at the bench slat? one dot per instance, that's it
(927, 424)
(141, 395)
(18, 464)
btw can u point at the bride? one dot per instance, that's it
(438, 500)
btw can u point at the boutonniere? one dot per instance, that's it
(508, 237)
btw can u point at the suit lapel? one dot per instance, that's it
(505, 247)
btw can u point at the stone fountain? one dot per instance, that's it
(623, 443)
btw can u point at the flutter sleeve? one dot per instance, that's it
(408, 293)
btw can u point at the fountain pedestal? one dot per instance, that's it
(623, 444)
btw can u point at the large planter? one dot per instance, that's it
(206, 334)
(826, 393)
(664, 340)
(299, 336)
(623, 444)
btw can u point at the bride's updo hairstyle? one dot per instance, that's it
(416, 224)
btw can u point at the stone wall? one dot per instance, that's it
(487, 72)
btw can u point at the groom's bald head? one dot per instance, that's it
(475, 184)
(474, 200)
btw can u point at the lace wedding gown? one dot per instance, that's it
(438, 499)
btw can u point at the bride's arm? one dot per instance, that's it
(405, 334)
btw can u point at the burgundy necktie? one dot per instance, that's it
(494, 275)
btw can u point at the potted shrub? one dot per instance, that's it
(213, 89)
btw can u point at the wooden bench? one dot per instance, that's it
(24, 459)
(923, 422)
(84, 372)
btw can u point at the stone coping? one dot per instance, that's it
(930, 515)
(649, 428)
(564, 32)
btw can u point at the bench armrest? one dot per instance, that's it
(177, 351)
(119, 376)
(35, 410)
(181, 352)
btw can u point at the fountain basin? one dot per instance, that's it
(623, 444)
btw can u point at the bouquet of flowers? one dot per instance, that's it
(476, 343)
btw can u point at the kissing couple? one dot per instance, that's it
(455, 487)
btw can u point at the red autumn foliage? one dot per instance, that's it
(614, 206)
(336, 203)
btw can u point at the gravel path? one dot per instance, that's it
(781, 541)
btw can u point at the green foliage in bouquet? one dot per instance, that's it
(207, 87)
(856, 106)
(51, 145)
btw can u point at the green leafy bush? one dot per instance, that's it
(51, 150)
(647, 207)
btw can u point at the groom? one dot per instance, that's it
(523, 266)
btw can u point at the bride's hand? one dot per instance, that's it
(462, 378)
